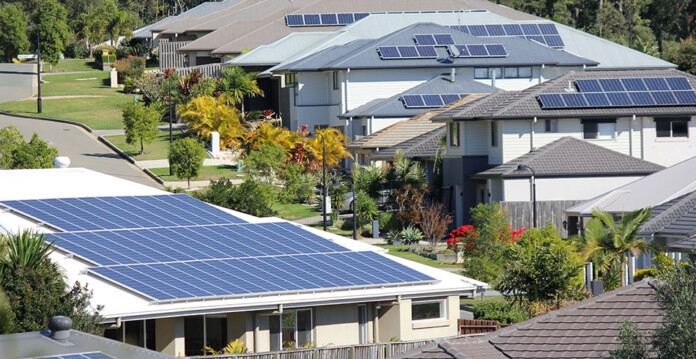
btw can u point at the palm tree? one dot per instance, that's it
(236, 84)
(606, 244)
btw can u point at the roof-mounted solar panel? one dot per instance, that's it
(444, 39)
(641, 98)
(477, 50)
(433, 100)
(329, 19)
(462, 28)
(426, 51)
(496, 50)
(388, 52)
(574, 100)
(551, 101)
(686, 97)
(424, 39)
(531, 29)
(664, 98)
(548, 29)
(554, 41)
(345, 19)
(413, 101)
(478, 30)
(537, 38)
(678, 83)
(513, 30)
(589, 85)
(656, 83)
(312, 19)
(611, 85)
(495, 30)
(361, 15)
(408, 52)
(294, 20)
(634, 84)
(449, 98)
(597, 100)
(619, 99)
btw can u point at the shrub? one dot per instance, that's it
(129, 85)
(99, 51)
(502, 312)
(389, 222)
(392, 236)
(252, 197)
(410, 235)
(76, 50)
(267, 161)
(644, 273)
(366, 208)
(106, 59)
(132, 67)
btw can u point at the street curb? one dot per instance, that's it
(85, 127)
(129, 159)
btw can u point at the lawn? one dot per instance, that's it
(93, 83)
(70, 65)
(341, 232)
(295, 211)
(156, 150)
(207, 173)
(469, 302)
(403, 252)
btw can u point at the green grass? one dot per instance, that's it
(469, 302)
(69, 65)
(340, 232)
(156, 150)
(295, 211)
(402, 251)
(90, 83)
(207, 173)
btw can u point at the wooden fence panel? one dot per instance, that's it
(477, 326)
(520, 213)
(334, 353)
(402, 347)
(370, 351)
(208, 71)
(169, 58)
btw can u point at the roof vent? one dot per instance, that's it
(60, 327)
(570, 87)
(453, 73)
(61, 162)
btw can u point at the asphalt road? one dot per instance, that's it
(16, 81)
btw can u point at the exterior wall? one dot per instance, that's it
(336, 325)
(560, 188)
(429, 328)
(165, 336)
(240, 326)
(373, 125)
(668, 151)
(367, 85)
(495, 154)
(549, 73)
(389, 323)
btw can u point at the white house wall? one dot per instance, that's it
(367, 85)
(668, 151)
(560, 188)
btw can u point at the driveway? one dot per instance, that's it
(17, 81)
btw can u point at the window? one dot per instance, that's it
(428, 309)
(454, 134)
(524, 72)
(511, 72)
(494, 134)
(551, 126)
(362, 323)
(291, 329)
(497, 71)
(598, 129)
(672, 127)
(208, 330)
(290, 79)
(480, 73)
(137, 332)
(336, 83)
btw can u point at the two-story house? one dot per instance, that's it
(643, 115)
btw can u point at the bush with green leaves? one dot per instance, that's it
(186, 158)
(633, 345)
(140, 123)
(299, 185)
(388, 221)
(13, 37)
(366, 208)
(76, 50)
(266, 162)
(16, 154)
(251, 197)
(132, 67)
(502, 312)
(411, 235)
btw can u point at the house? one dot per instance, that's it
(645, 115)
(672, 227)
(342, 78)
(189, 274)
(583, 330)
(63, 342)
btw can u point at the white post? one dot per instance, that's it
(114, 77)
(215, 143)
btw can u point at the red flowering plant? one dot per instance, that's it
(510, 235)
(463, 239)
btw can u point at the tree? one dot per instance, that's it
(36, 153)
(13, 32)
(205, 115)
(365, 208)
(51, 20)
(333, 147)
(10, 139)
(140, 123)
(605, 244)
(250, 197)
(675, 294)
(434, 222)
(633, 344)
(267, 161)
(118, 22)
(236, 85)
(186, 158)
(683, 54)
(91, 27)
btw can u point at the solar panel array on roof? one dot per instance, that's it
(432, 100)
(91, 355)
(336, 19)
(99, 213)
(406, 52)
(546, 34)
(488, 50)
(433, 39)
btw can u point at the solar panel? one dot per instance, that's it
(531, 29)
(312, 19)
(634, 84)
(462, 51)
(548, 29)
(426, 39)
(477, 50)
(656, 83)
(554, 41)
(478, 30)
(408, 51)
(496, 50)
(678, 83)
(411, 101)
(551, 101)
(588, 85)
(495, 30)
(513, 29)
(91, 355)
(426, 51)
(641, 98)
(611, 85)
(546, 34)
(597, 100)
(433, 100)
(361, 15)
(685, 97)
(664, 98)
(344, 19)
(294, 20)
(449, 98)
(462, 28)
(329, 19)
(389, 52)
(103, 213)
(252, 276)
(619, 99)
(538, 38)
(574, 100)
(444, 39)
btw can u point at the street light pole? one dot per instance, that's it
(355, 220)
(38, 69)
(323, 167)
(171, 173)
(534, 204)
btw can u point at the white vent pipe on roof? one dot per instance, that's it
(453, 73)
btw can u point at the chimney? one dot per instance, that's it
(452, 75)
(61, 162)
(60, 328)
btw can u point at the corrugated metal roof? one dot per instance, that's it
(525, 104)
(568, 157)
(650, 191)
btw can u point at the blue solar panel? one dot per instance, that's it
(294, 20)
(619, 99)
(685, 97)
(361, 15)
(538, 38)
(449, 98)
(589, 86)
(551, 101)
(433, 100)
(641, 98)
(548, 29)
(678, 83)
(656, 84)
(554, 41)
(611, 85)
(426, 39)
(250, 276)
(426, 51)
(329, 19)
(413, 101)
(478, 30)
(389, 52)
(344, 19)
(531, 29)
(664, 98)
(312, 19)
(597, 100)
(103, 213)
(496, 50)
(408, 51)
(495, 30)
(634, 84)
(462, 51)
(462, 28)
(513, 29)
(574, 100)
(444, 39)
(477, 50)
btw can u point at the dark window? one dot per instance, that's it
(193, 335)
(336, 83)
(599, 129)
(134, 333)
(433, 309)
(551, 126)
(292, 329)
(454, 134)
(494, 134)
(274, 329)
(216, 331)
(150, 334)
(672, 127)
(589, 130)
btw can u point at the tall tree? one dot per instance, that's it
(140, 124)
(51, 24)
(236, 85)
(186, 158)
(13, 32)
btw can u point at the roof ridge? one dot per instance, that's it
(677, 210)
(535, 90)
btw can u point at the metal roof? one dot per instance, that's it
(650, 191)
(569, 156)
(199, 11)
(279, 50)
(441, 84)
(363, 53)
(525, 104)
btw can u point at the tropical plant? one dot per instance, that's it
(405, 172)
(502, 312)
(186, 158)
(410, 200)
(369, 179)
(410, 235)
(606, 244)
(235, 85)
(434, 222)
(140, 122)
(205, 115)
(366, 208)
(329, 142)
(24, 250)
(234, 347)
(268, 134)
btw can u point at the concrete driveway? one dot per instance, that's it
(17, 81)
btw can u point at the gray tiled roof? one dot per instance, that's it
(569, 156)
(583, 330)
(525, 104)
(674, 218)
(441, 84)
(363, 53)
(424, 146)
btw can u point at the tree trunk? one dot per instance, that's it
(142, 148)
(188, 179)
(599, 23)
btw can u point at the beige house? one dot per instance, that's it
(175, 274)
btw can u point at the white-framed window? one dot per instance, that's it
(292, 329)
(599, 129)
(494, 134)
(336, 82)
(290, 78)
(520, 72)
(551, 126)
(454, 134)
(428, 309)
(672, 126)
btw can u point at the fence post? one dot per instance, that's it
(388, 347)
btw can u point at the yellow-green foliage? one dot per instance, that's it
(234, 347)
(644, 273)
(205, 115)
